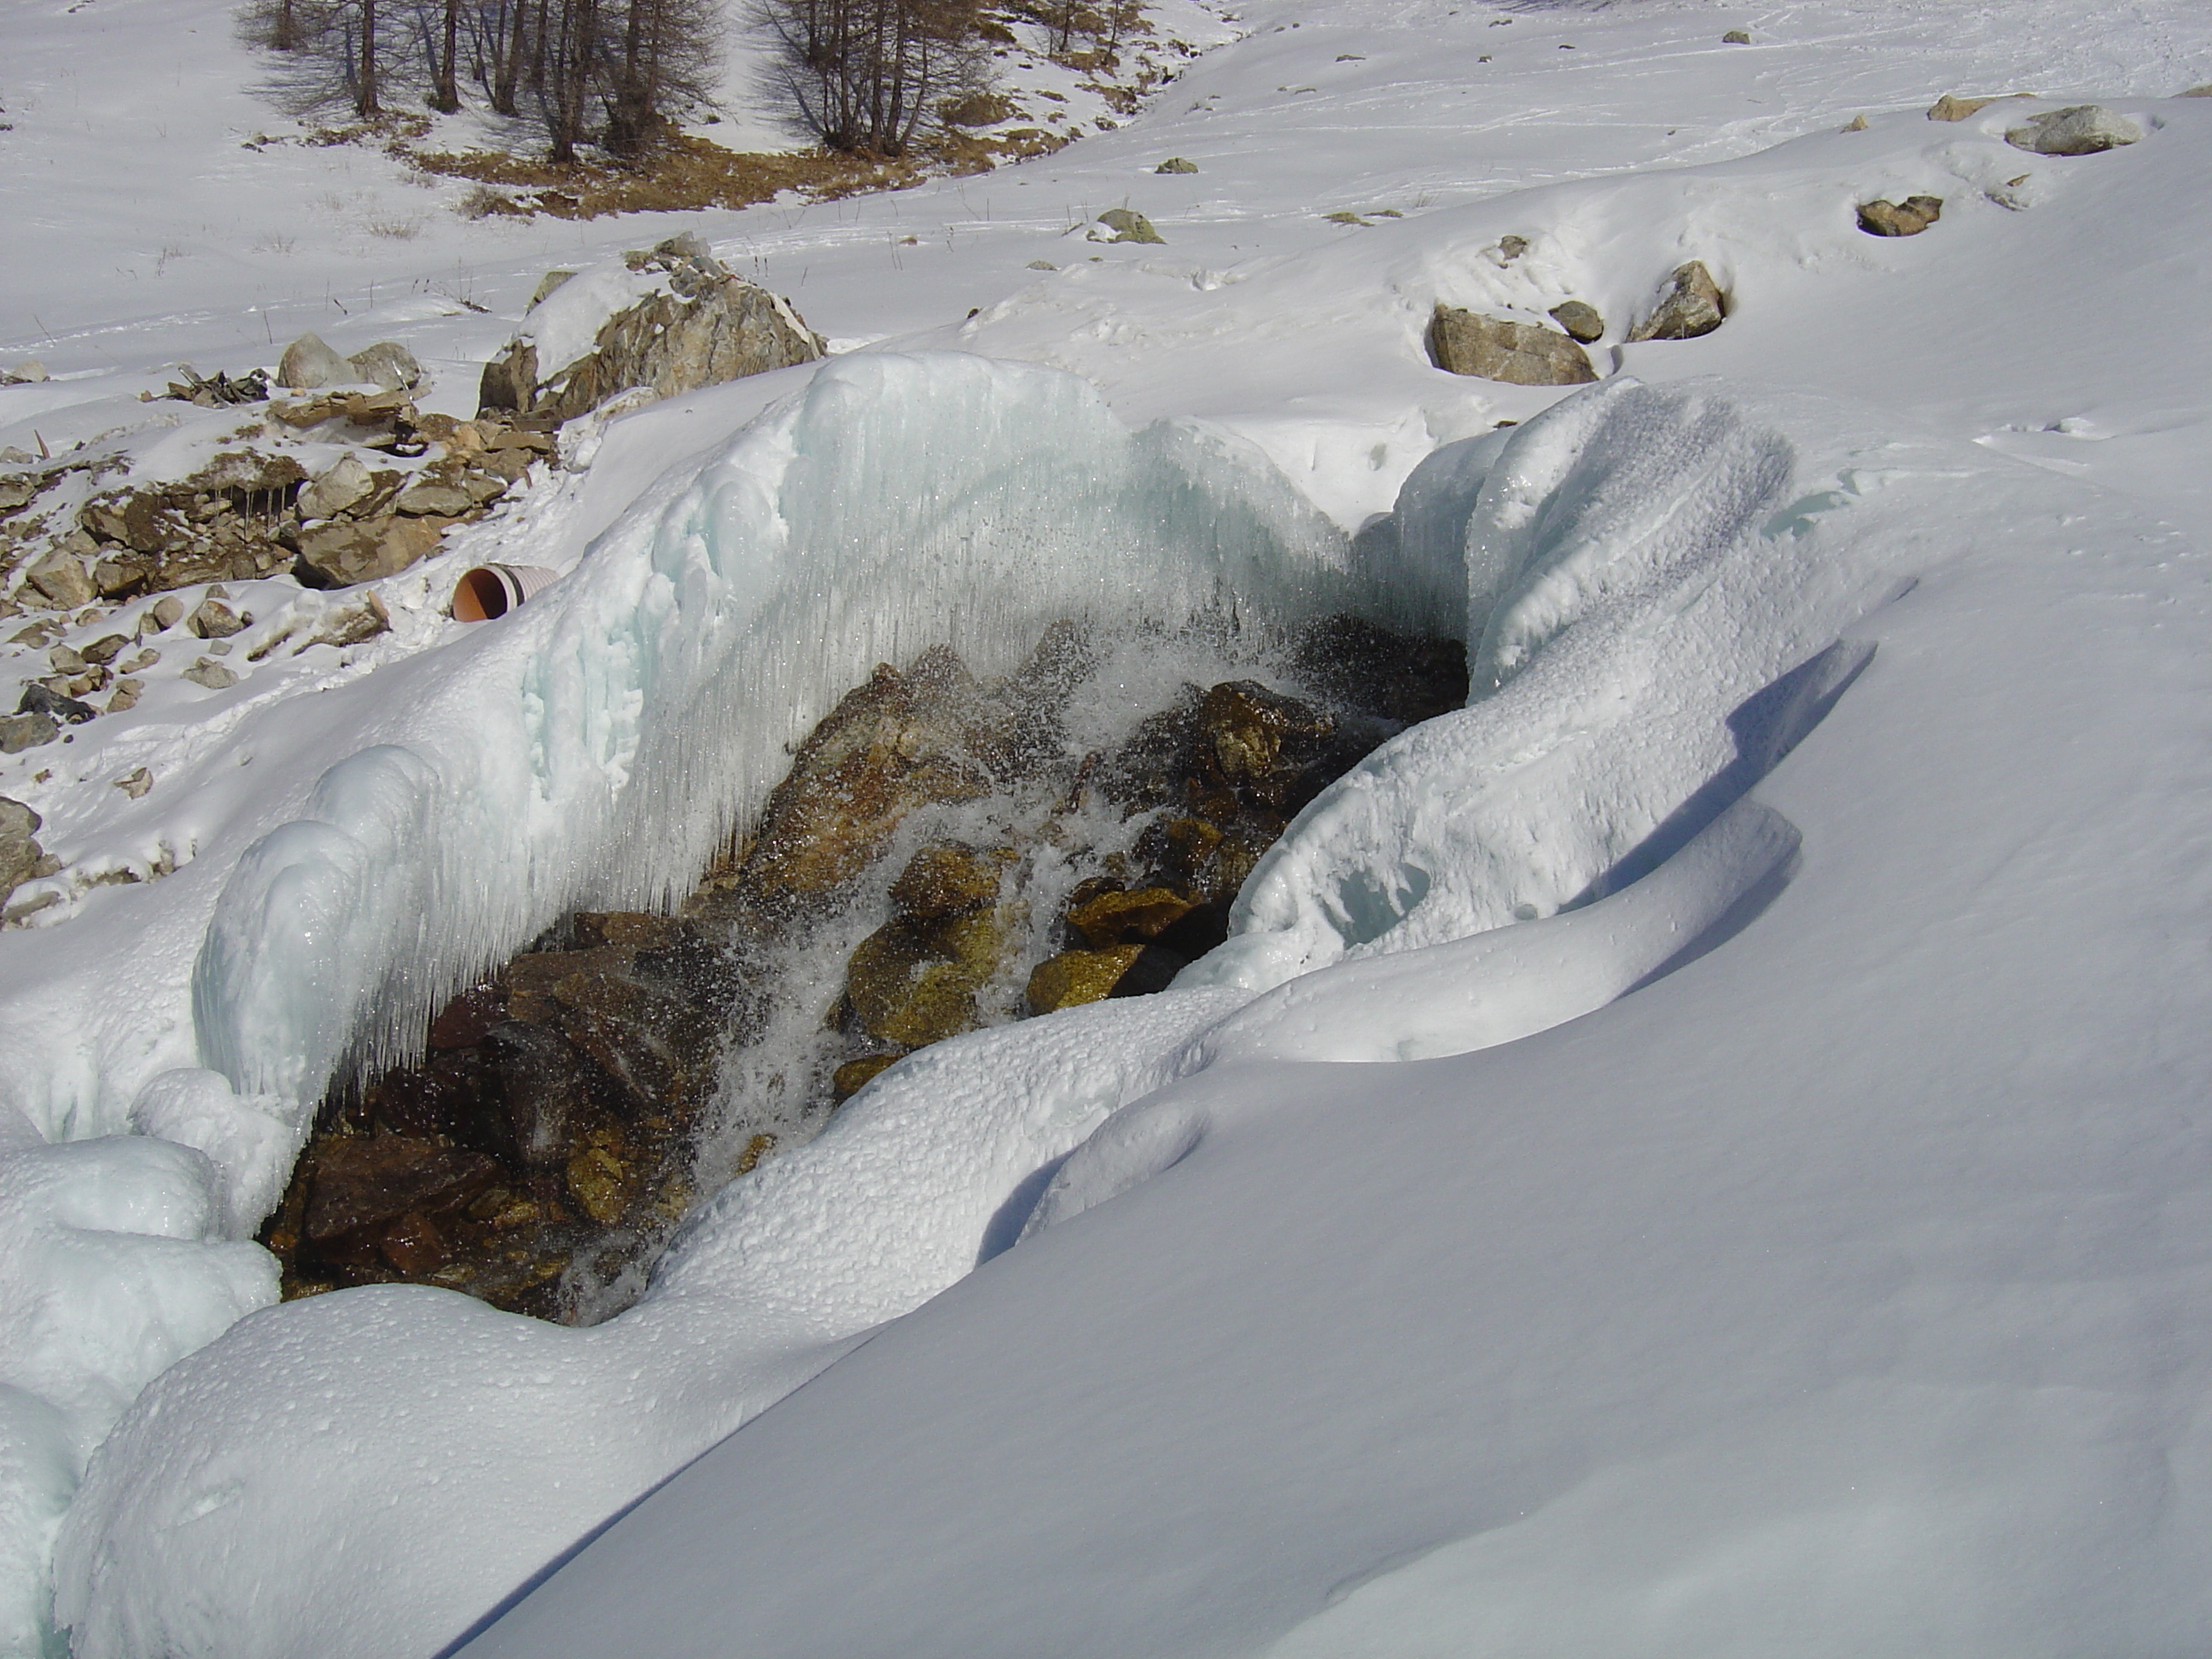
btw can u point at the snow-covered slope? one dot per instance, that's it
(1840, 1290)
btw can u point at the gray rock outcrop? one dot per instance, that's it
(707, 326)
(1492, 349)
(1692, 305)
(2082, 130)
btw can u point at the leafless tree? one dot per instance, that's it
(862, 76)
(609, 72)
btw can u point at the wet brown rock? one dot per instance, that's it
(604, 1183)
(414, 1245)
(364, 1182)
(916, 983)
(896, 743)
(546, 1086)
(1492, 348)
(1115, 917)
(855, 1075)
(626, 930)
(1078, 976)
(945, 880)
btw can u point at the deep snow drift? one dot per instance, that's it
(1837, 1289)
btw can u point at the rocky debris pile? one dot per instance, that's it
(553, 1133)
(113, 663)
(2081, 130)
(362, 523)
(699, 325)
(255, 511)
(1906, 218)
(1492, 348)
(1692, 305)
(218, 391)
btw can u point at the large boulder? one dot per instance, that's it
(1492, 349)
(1692, 305)
(308, 363)
(673, 320)
(2081, 130)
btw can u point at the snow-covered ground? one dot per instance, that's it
(1801, 1248)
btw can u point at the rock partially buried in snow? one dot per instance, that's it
(1906, 218)
(1693, 305)
(1952, 107)
(677, 319)
(308, 363)
(22, 857)
(2081, 130)
(1492, 349)
(21, 732)
(1581, 321)
(1124, 225)
(32, 371)
(1735, 38)
(387, 364)
(1177, 164)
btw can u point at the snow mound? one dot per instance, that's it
(383, 1428)
(1642, 562)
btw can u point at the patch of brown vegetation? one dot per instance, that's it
(686, 172)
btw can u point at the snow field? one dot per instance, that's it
(1814, 1304)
